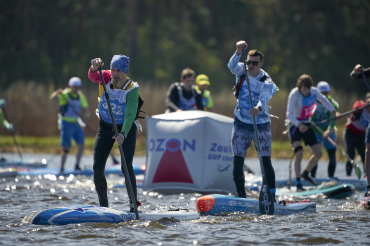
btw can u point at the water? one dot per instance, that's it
(335, 222)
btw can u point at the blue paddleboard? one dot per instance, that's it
(24, 163)
(115, 169)
(222, 205)
(77, 214)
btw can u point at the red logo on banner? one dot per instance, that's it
(172, 166)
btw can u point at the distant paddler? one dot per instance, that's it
(72, 104)
(354, 134)
(359, 72)
(262, 90)
(322, 113)
(202, 83)
(183, 96)
(302, 103)
(3, 121)
(125, 102)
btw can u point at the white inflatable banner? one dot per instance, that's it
(189, 151)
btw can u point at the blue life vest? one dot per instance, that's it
(72, 108)
(186, 104)
(117, 98)
(309, 105)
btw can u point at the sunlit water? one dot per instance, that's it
(335, 222)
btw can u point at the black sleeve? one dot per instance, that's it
(198, 100)
(359, 76)
(172, 98)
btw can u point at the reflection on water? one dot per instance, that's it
(336, 221)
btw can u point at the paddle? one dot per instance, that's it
(252, 193)
(115, 161)
(123, 161)
(363, 76)
(266, 200)
(290, 172)
(336, 118)
(12, 132)
(355, 165)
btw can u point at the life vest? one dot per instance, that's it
(186, 104)
(322, 113)
(239, 85)
(359, 120)
(72, 108)
(309, 105)
(117, 98)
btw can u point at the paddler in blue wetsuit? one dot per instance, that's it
(302, 103)
(183, 96)
(262, 90)
(325, 130)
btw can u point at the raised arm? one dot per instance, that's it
(54, 95)
(234, 65)
(93, 74)
(356, 72)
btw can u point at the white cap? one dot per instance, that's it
(75, 81)
(323, 86)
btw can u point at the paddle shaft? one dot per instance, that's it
(88, 126)
(252, 193)
(290, 172)
(363, 76)
(355, 165)
(268, 201)
(123, 161)
(12, 132)
(336, 118)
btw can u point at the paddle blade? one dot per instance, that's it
(266, 200)
(357, 170)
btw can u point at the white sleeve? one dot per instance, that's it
(292, 102)
(235, 66)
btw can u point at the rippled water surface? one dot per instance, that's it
(335, 222)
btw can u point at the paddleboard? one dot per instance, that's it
(24, 163)
(8, 173)
(222, 205)
(337, 191)
(363, 201)
(77, 214)
(360, 184)
(116, 169)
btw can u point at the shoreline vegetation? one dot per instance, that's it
(51, 145)
(34, 117)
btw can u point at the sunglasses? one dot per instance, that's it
(254, 63)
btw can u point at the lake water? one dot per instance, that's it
(335, 222)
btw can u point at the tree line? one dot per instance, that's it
(51, 41)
